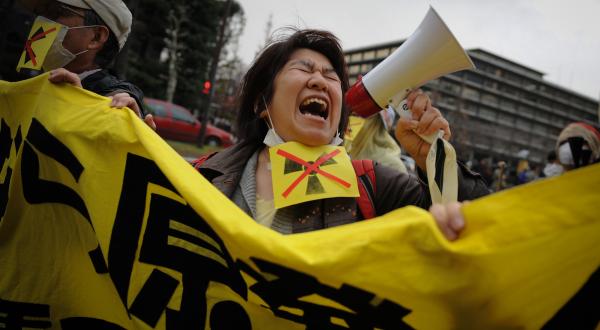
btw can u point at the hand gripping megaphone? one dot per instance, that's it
(430, 52)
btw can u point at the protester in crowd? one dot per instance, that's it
(97, 31)
(578, 145)
(308, 67)
(374, 142)
(553, 166)
(525, 173)
(499, 177)
(484, 168)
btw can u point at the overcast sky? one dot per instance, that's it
(557, 37)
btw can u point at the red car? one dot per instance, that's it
(175, 122)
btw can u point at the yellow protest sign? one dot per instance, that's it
(42, 35)
(301, 173)
(103, 225)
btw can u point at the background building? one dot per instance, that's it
(502, 110)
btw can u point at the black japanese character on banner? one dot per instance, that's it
(40, 191)
(19, 315)
(582, 310)
(175, 238)
(5, 147)
(286, 287)
(37, 190)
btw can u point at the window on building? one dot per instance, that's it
(512, 77)
(356, 57)
(366, 67)
(449, 100)
(369, 55)
(526, 111)
(489, 99)
(530, 97)
(509, 90)
(539, 128)
(482, 141)
(530, 85)
(506, 119)
(491, 84)
(521, 137)
(523, 124)
(469, 107)
(487, 113)
(538, 142)
(354, 69)
(449, 86)
(507, 105)
(470, 93)
(383, 53)
(474, 78)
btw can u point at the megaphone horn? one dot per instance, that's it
(430, 52)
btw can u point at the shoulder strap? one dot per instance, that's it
(365, 173)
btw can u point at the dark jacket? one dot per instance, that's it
(393, 190)
(104, 83)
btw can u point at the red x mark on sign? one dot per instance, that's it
(310, 168)
(36, 37)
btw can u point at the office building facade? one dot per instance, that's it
(502, 110)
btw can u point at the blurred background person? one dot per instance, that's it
(500, 174)
(578, 145)
(553, 166)
(374, 142)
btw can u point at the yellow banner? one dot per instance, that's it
(103, 225)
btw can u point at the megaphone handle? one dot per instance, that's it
(404, 112)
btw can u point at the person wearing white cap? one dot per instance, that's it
(96, 31)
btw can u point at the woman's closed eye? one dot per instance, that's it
(332, 76)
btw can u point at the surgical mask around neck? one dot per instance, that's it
(272, 138)
(58, 56)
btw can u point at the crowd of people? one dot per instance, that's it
(577, 145)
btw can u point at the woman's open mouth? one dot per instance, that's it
(315, 107)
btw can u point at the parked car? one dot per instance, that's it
(175, 122)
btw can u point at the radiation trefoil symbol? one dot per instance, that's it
(39, 34)
(311, 170)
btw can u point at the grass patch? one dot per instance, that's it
(191, 150)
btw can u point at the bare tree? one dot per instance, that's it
(176, 17)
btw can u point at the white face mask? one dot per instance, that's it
(565, 156)
(58, 56)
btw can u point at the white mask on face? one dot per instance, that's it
(58, 56)
(565, 156)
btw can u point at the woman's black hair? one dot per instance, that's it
(257, 85)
